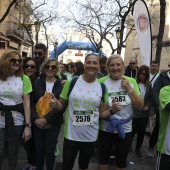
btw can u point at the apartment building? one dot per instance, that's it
(12, 33)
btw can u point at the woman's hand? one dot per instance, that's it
(40, 123)
(125, 84)
(27, 134)
(53, 102)
(116, 106)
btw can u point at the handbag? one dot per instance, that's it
(42, 107)
(30, 167)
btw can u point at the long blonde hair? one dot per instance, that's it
(5, 64)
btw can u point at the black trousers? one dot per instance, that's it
(11, 146)
(154, 137)
(139, 126)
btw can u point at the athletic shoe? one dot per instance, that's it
(56, 153)
(150, 152)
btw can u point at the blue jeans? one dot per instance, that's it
(45, 143)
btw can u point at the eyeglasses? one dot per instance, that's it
(38, 53)
(31, 66)
(13, 60)
(132, 63)
(53, 67)
(91, 53)
(142, 74)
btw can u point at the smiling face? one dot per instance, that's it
(51, 69)
(91, 65)
(30, 68)
(115, 68)
(15, 63)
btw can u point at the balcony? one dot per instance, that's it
(13, 34)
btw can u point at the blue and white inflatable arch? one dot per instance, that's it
(74, 46)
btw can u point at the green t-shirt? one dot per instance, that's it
(163, 145)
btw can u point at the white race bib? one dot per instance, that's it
(121, 96)
(83, 118)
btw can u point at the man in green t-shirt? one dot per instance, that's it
(163, 146)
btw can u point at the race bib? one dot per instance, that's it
(83, 118)
(121, 97)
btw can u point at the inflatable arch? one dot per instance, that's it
(74, 46)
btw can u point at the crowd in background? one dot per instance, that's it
(103, 102)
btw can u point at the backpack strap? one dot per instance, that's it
(103, 91)
(72, 83)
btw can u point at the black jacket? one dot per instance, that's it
(39, 88)
(161, 81)
(131, 73)
(147, 102)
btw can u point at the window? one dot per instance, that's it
(2, 45)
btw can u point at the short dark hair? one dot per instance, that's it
(31, 59)
(103, 60)
(155, 62)
(41, 46)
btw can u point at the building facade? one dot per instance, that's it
(132, 45)
(12, 33)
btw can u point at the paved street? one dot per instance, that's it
(133, 162)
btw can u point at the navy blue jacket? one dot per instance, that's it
(39, 88)
(161, 81)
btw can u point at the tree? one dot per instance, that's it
(100, 18)
(8, 10)
(161, 30)
(32, 14)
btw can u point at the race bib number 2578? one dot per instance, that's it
(83, 118)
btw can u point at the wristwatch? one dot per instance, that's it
(28, 125)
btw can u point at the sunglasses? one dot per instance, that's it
(91, 53)
(132, 63)
(31, 66)
(38, 53)
(16, 60)
(53, 67)
(142, 74)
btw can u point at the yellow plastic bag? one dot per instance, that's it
(42, 107)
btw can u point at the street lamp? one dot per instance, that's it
(118, 30)
(55, 45)
(37, 29)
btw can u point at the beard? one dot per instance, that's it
(39, 60)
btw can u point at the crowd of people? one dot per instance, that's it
(103, 101)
